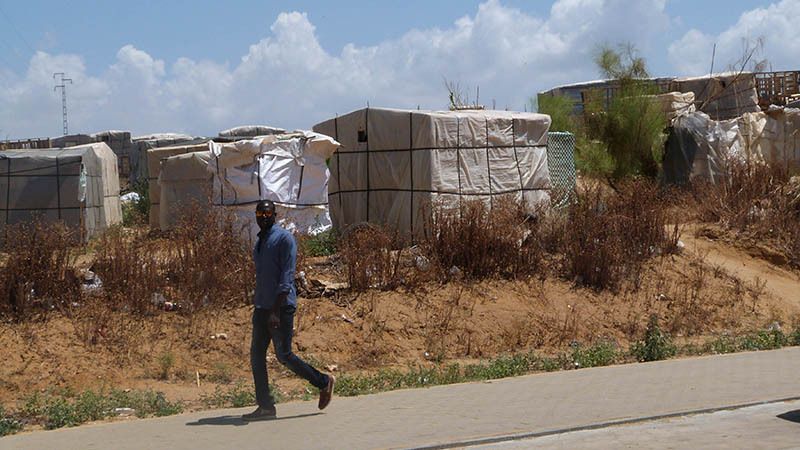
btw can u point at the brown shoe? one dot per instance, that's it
(326, 393)
(260, 414)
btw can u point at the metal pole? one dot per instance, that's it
(63, 87)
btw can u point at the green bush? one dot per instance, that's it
(322, 244)
(138, 212)
(560, 109)
(8, 425)
(794, 337)
(596, 355)
(166, 361)
(770, 339)
(66, 410)
(655, 346)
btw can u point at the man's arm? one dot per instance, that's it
(288, 260)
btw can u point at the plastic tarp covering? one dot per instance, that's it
(289, 169)
(71, 140)
(155, 157)
(773, 135)
(184, 181)
(394, 163)
(121, 144)
(674, 104)
(699, 147)
(251, 131)
(142, 144)
(78, 185)
(721, 96)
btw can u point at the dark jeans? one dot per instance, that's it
(282, 341)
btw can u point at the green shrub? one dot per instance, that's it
(60, 410)
(166, 361)
(770, 339)
(794, 337)
(322, 244)
(560, 109)
(8, 425)
(137, 212)
(595, 355)
(656, 345)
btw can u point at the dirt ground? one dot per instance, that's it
(713, 286)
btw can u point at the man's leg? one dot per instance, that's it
(258, 358)
(282, 340)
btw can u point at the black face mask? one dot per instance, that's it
(265, 223)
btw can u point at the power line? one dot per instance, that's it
(63, 87)
(16, 30)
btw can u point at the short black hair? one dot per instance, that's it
(265, 205)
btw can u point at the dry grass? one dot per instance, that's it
(758, 201)
(36, 276)
(369, 259)
(480, 242)
(609, 236)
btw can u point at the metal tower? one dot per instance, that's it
(63, 87)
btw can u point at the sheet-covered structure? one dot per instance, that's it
(155, 159)
(289, 169)
(700, 147)
(773, 135)
(121, 144)
(394, 163)
(184, 181)
(78, 185)
(674, 104)
(722, 96)
(250, 131)
(142, 144)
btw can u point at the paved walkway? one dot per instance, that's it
(770, 426)
(465, 414)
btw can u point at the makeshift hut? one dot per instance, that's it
(121, 144)
(155, 159)
(773, 135)
(76, 185)
(289, 169)
(722, 96)
(700, 147)
(183, 181)
(394, 163)
(138, 158)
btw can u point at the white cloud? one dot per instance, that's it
(777, 23)
(288, 79)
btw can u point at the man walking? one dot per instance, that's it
(275, 302)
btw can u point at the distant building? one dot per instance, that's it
(721, 96)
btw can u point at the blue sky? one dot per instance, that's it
(202, 66)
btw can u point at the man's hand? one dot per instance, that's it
(274, 320)
(275, 314)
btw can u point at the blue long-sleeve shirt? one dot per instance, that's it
(275, 255)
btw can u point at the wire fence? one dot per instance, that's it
(561, 162)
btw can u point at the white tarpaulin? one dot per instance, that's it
(674, 104)
(699, 147)
(77, 185)
(183, 182)
(289, 169)
(774, 135)
(394, 163)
